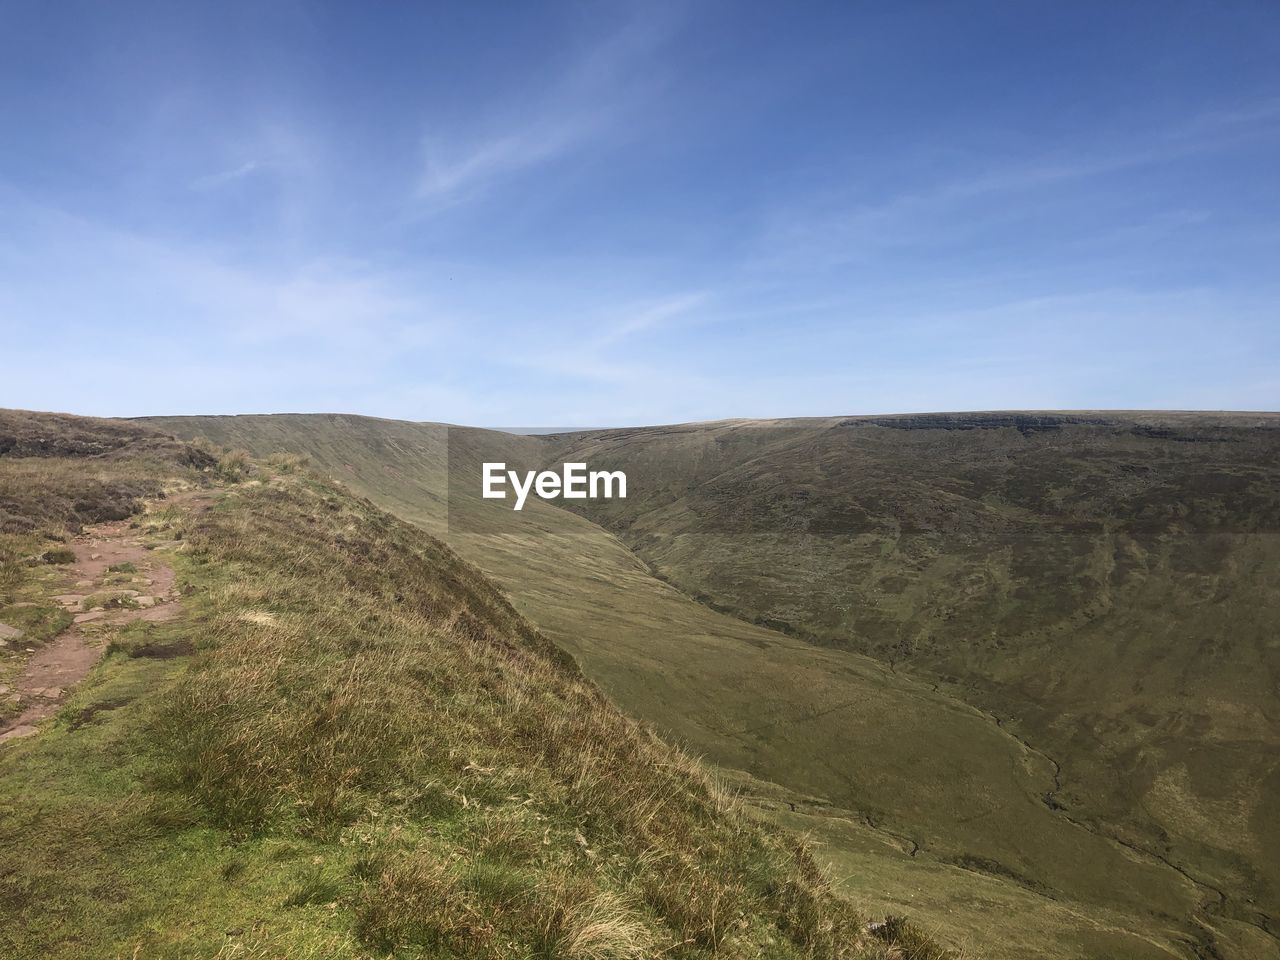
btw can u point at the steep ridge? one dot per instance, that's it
(863, 754)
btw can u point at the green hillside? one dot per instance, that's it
(922, 791)
(1105, 584)
(346, 743)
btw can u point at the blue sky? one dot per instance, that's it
(594, 213)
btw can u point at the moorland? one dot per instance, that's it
(1016, 673)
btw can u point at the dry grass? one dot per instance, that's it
(233, 466)
(48, 494)
(289, 462)
(25, 434)
(59, 472)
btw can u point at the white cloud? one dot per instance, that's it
(447, 178)
(585, 103)
(222, 177)
(597, 352)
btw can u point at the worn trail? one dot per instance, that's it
(114, 580)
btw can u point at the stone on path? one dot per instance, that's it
(9, 633)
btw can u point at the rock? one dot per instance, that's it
(84, 584)
(89, 617)
(25, 730)
(9, 633)
(95, 556)
(144, 601)
(70, 599)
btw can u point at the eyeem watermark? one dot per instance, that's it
(575, 482)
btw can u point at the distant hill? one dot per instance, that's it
(1070, 696)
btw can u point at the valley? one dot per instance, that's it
(1012, 817)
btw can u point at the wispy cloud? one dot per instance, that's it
(450, 175)
(650, 316)
(121, 274)
(829, 227)
(586, 102)
(603, 353)
(222, 177)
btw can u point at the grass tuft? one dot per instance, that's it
(233, 466)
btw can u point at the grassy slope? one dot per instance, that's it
(1104, 583)
(886, 750)
(352, 746)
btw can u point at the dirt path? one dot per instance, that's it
(141, 587)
